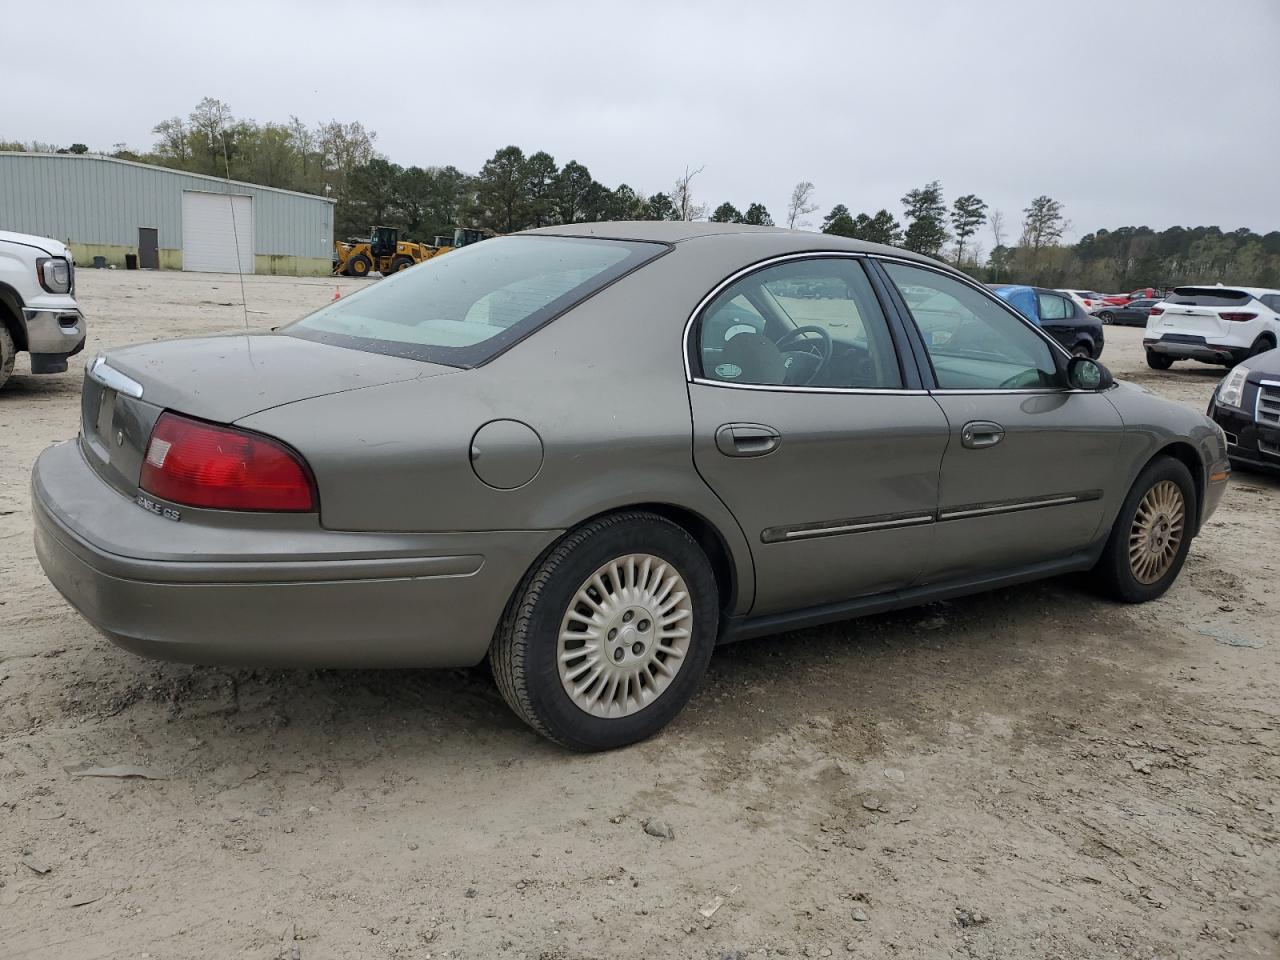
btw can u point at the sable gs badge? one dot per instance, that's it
(159, 509)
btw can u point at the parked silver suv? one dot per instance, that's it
(38, 309)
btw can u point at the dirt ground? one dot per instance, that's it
(1034, 773)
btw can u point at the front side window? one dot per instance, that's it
(974, 343)
(813, 323)
(466, 306)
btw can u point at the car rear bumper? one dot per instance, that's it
(1187, 347)
(417, 600)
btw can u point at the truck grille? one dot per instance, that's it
(1268, 409)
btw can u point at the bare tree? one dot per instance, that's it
(996, 222)
(999, 253)
(801, 204)
(682, 197)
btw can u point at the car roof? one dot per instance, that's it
(780, 240)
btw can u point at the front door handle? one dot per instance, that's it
(747, 439)
(978, 434)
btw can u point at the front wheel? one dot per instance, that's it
(1106, 316)
(608, 635)
(1158, 361)
(401, 263)
(1152, 534)
(1082, 350)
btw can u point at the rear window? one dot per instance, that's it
(466, 306)
(1209, 297)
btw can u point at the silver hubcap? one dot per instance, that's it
(625, 635)
(1157, 532)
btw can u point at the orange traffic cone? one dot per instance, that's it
(337, 294)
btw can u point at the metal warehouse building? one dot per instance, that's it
(104, 207)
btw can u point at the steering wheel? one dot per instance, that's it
(821, 349)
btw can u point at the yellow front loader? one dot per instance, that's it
(383, 252)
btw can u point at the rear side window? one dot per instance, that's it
(1209, 297)
(464, 307)
(1054, 307)
(803, 323)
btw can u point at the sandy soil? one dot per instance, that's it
(1032, 773)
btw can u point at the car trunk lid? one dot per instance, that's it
(221, 379)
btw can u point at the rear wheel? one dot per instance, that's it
(1152, 533)
(359, 265)
(1158, 361)
(608, 635)
(401, 263)
(8, 353)
(1261, 345)
(1082, 349)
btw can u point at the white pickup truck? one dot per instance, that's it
(38, 309)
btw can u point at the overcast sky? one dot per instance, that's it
(1127, 111)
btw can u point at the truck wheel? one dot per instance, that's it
(607, 637)
(1158, 361)
(401, 263)
(359, 265)
(8, 353)
(1151, 535)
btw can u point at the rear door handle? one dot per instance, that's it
(978, 434)
(747, 439)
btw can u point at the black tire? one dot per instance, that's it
(1113, 571)
(1158, 361)
(525, 648)
(1082, 349)
(8, 353)
(401, 263)
(1106, 316)
(1261, 345)
(359, 266)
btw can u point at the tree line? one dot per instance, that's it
(515, 191)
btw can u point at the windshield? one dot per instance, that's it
(464, 307)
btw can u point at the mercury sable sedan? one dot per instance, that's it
(593, 452)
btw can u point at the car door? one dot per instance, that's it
(812, 431)
(1029, 460)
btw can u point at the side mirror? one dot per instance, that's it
(1086, 374)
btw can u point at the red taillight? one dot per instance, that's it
(1238, 317)
(202, 465)
(1155, 311)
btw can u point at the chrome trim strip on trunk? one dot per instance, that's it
(110, 377)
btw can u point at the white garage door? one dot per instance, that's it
(214, 225)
